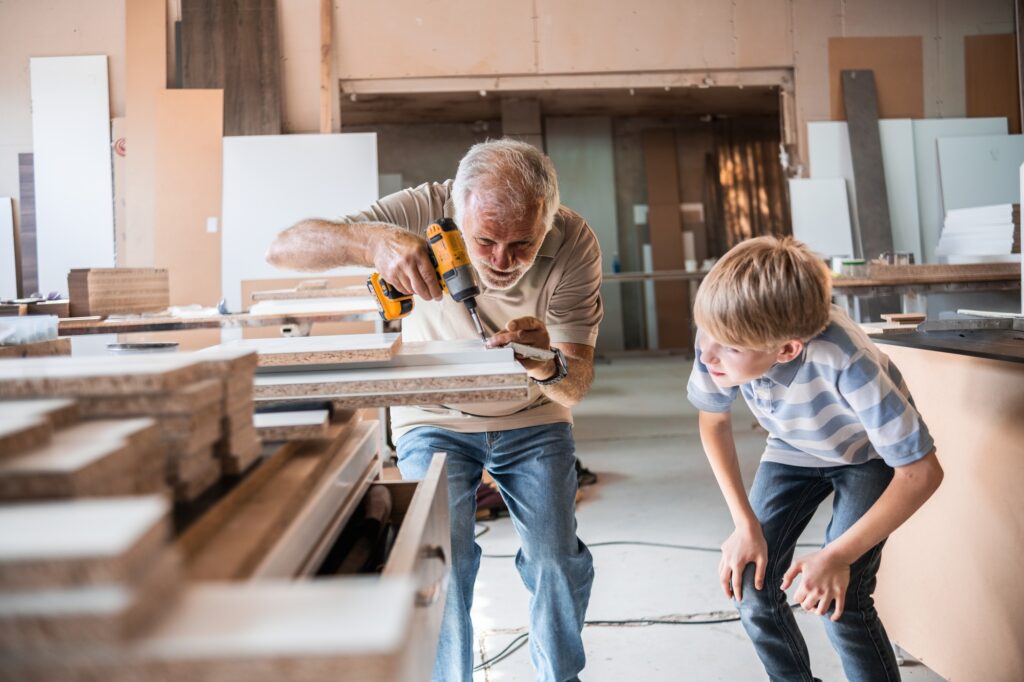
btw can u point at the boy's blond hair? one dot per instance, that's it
(763, 292)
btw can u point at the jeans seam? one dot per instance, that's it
(863, 616)
(776, 613)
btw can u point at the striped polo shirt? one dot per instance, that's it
(842, 401)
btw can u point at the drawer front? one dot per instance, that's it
(423, 550)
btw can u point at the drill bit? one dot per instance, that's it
(479, 327)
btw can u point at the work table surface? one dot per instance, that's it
(995, 344)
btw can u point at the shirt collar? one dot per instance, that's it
(784, 373)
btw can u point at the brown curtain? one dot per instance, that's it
(746, 186)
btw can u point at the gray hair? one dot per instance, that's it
(511, 178)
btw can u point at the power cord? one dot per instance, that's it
(714, 618)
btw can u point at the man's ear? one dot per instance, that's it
(790, 350)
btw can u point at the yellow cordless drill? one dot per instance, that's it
(454, 273)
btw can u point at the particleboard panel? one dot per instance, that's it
(873, 234)
(60, 346)
(980, 171)
(188, 173)
(80, 542)
(972, 407)
(9, 256)
(97, 375)
(929, 188)
(898, 64)
(59, 412)
(249, 287)
(326, 384)
(320, 350)
(72, 166)
(992, 85)
(277, 426)
(821, 216)
(27, 224)
(21, 432)
(234, 46)
(273, 181)
(146, 77)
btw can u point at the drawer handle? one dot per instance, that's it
(427, 597)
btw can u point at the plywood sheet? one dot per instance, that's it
(319, 350)
(80, 542)
(821, 216)
(929, 189)
(8, 251)
(980, 171)
(898, 65)
(273, 181)
(992, 85)
(582, 150)
(188, 173)
(72, 164)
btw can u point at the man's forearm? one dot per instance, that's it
(318, 245)
(571, 390)
(910, 488)
(716, 436)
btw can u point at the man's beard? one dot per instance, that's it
(501, 280)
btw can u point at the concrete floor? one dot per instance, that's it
(639, 434)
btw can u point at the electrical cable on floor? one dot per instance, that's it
(689, 619)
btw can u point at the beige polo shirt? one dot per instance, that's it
(562, 288)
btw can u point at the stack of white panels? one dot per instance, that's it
(981, 231)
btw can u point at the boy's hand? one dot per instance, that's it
(746, 545)
(825, 580)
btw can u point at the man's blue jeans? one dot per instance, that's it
(535, 469)
(784, 498)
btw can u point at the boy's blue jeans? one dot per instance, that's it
(535, 469)
(784, 498)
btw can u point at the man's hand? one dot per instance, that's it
(528, 331)
(826, 578)
(745, 546)
(403, 261)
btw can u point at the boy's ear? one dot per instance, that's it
(790, 350)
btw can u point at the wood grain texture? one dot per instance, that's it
(234, 46)
(992, 84)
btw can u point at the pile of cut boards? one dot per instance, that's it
(114, 291)
(199, 405)
(378, 370)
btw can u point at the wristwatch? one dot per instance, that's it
(561, 369)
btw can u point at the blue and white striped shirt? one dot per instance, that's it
(841, 402)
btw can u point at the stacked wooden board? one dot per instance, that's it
(113, 291)
(80, 573)
(58, 346)
(310, 289)
(202, 406)
(321, 350)
(435, 372)
(47, 452)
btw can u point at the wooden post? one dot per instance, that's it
(326, 12)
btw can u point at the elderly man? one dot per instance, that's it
(540, 269)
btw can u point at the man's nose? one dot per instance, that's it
(501, 258)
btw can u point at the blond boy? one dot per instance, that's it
(839, 418)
